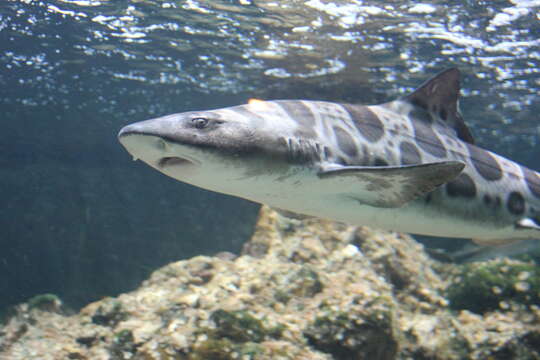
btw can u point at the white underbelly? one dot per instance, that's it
(304, 195)
(414, 218)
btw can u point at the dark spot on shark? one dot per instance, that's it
(341, 161)
(428, 198)
(365, 155)
(485, 164)
(327, 153)
(515, 203)
(419, 102)
(298, 111)
(487, 199)
(367, 123)
(380, 162)
(443, 113)
(418, 113)
(345, 141)
(428, 140)
(434, 108)
(244, 110)
(409, 154)
(532, 180)
(462, 186)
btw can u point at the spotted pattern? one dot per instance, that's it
(428, 140)
(492, 201)
(367, 123)
(365, 155)
(380, 162)
(345, 141)
(245, 111)
(515, 203)
(418, 113)
(419, 102)
(532, 180)
(298, 111)
(443, 113)
(462, 186)
(328, 153)
(340, 160)
(485, 164)
(409, 154)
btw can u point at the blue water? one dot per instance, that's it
(81, 220)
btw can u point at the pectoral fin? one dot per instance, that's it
(388, 186)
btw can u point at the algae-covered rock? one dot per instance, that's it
(108, 313)
(302, 290)
(123, 345)
(224, 349)
(46, 302)
(238, 326)
(496, 284)
(352, 336)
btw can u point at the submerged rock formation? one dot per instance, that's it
(302, 289)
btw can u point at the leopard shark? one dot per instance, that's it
(408, 165)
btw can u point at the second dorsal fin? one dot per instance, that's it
(439, 97)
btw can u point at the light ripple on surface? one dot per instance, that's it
(220, 46)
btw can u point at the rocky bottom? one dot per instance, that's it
(308, 289)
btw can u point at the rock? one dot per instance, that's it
(495, 284)
(301, 289)
(108, 313)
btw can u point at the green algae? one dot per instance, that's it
(238, 326)
(306, 283)
(109, 313)
(237, 334)
(303, 283)
(47, 302)
(494, 285)
(123, 345)
(224, 349)
(346, 336)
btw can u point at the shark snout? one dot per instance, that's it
(127, 130)
(140, 128)
(154, 149)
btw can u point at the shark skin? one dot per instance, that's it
(409, 165)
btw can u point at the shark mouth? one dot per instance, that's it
(174, 161)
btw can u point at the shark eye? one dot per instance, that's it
(199, 122)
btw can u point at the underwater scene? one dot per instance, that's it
(393, 144)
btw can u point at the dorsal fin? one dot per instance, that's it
(439, 97)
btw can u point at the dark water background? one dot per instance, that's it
(80, 220)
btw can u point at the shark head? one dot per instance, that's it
(213, 149)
